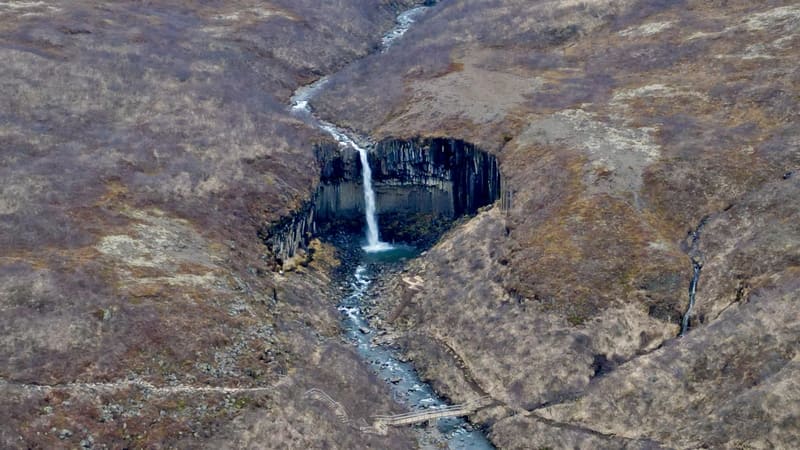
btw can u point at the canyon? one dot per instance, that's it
(420, 188)
(596, 202)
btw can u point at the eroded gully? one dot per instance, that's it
(697, 266)
(370, 261)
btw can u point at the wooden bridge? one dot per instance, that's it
(381, 423)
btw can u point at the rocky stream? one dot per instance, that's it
(444, 177)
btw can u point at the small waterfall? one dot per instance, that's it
(374, 243)
(373, 236)
(692, 295)
(300, 105)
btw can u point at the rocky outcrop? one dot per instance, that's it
(446, 177)
(469, 175)
(416, 181)
(290, 235)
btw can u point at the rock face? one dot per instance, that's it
(470, 175)
(415, 181)
(443, 176)
(619, 127)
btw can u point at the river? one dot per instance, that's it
(371, 260)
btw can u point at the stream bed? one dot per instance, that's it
(364, 262)
(358, 276)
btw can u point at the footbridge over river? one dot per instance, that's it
(381, 423)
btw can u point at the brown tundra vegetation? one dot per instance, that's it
(144, 146)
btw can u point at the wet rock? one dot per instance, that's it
(421, 186)
(64, 434)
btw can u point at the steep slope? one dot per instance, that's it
(637, 139)
(142, 145)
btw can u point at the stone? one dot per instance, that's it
(64, 434)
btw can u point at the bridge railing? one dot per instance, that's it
(380, 423)
(421, 416)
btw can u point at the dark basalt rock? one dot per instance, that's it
(472, 174)
(290, 233)
(421, 186)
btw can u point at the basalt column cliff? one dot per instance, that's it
(421, 186)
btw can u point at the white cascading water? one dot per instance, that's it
(374, 243)
(300, 104)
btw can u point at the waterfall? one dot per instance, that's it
(405, 383)
(374, 243)
(369, 199)
(300, 106)
(697, 266)
(692, 295)
(373, 237)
